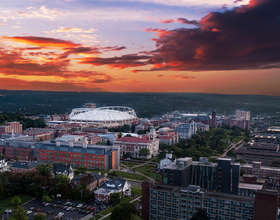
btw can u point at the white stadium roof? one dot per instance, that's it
(103, 114)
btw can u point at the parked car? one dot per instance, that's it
(60, 214)
(88, 212)
(38, 210)
(101, 207)
(79, 205)
(28, 212)
(73, 209)
(49, 212)
(80, 211)
(88, 207)
(64, 207)
(57, 202)
(104, 207)
(68, 209)
(97, 202)
(92, 208)
(47, 204)
(31, 208)
(54, 206)
(43, 203)
(140, 207)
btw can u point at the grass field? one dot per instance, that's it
(130, 164)
(98, 170)
(130, 175)
(5, 203)
(146, 170)
(136, 190)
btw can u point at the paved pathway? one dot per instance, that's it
(231, 146)
(136, 172)
(105, 216)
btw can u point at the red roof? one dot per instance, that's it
(144, 139)
(165, 137)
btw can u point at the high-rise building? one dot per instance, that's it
(178, 173)
(243, 114)
(186, 131)
(222, 176)
(170, 202)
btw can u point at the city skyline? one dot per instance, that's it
(207, 46)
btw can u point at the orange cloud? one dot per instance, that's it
(181, 77)
(165, 21)
(42, 41)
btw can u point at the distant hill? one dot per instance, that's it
(145, 104)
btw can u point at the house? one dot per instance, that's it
(166, 161)
(91, 180)
(22, 167)
(3, 165)
(113, 186)
(62, 169)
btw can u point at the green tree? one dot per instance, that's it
(125, 128)
(200, 215)
(61, 178)
(16, 200)
(115, 198)
(16, 159)
(240, 161)
(46, 198)
(242, 172)
(44, 169)
(77, 172)
(108, 142)
(120, 135)
(100, 143)
(113, 174)
(135, 217)
(19, 214)
(141, 132)
(144, 152)
(83, 169)
(132, 128)
(124, 211)
(40, 216)
(127, 155)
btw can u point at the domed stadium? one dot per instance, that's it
(107, 115)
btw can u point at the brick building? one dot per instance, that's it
(23, 153)
(265, 153)
(76, 155)
(258, 170)
(11, 127)
(91, 180)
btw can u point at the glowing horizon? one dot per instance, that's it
(219, 46)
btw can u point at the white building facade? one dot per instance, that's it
(186, 131)
(133, 145)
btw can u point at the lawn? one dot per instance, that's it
(99, 170)
(130, 164)
(5, 203)
(130, 175)
(136, 190)
(146, 170)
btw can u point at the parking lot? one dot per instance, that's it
(59, 206)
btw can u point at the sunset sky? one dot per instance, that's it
(208, 46)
